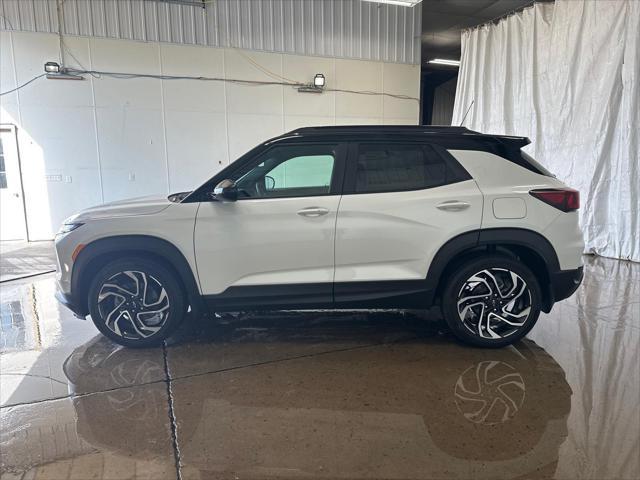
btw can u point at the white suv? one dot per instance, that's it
(336, 217)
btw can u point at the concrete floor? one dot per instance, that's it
(20, 259)
(325, 395)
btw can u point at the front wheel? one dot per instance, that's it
(136, 302)
(492, 301)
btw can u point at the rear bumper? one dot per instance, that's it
(565, 282)
(67, 300)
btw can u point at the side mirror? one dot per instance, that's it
(269, 182)
(225, 191)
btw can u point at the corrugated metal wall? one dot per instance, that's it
(332, 28)
(443, 100)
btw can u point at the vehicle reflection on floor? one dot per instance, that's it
(326, 394)
(418, 408)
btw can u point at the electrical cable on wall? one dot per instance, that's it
(23, 85)
(127, 76)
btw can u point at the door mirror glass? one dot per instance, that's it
(225, 191)
(269, 182)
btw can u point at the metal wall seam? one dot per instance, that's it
(339, 28)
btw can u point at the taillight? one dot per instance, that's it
(565, 199)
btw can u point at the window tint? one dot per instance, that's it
(396, 167)
(289, 171)
(540, 169)
(307, 171)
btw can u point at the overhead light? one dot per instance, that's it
(52, 67)
(318, 80)
(444, 61)
(402, 3)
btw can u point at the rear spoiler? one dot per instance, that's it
(512, 142)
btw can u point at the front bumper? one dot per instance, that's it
(68, 301)
(565, 282)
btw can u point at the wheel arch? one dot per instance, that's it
(530, 247)
(99, 252)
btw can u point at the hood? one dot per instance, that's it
(124, 208)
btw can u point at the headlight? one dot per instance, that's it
(68, 227)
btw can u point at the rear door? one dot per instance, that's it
(402, 201)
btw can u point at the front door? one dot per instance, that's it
(277, 240)
(12, 219)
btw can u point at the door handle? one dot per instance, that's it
(453, 205)
(313, 212)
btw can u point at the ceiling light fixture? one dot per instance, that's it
(318, 80)
(402, 3)
(444, 61)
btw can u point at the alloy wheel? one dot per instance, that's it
(494, 303)
(133, 304)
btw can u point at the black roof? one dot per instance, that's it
(413, 129)
(433, 131)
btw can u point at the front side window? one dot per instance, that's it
(399, 167)
(289, 171)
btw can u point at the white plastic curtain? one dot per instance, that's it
(565, 74)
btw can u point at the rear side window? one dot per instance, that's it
(537, 166)
(402, 167)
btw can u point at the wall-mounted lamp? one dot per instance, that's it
(51, 67)
(55, 72)
(316, 87)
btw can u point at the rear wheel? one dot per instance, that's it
(491, 301)
(136, 302)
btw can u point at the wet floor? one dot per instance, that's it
(324, 395)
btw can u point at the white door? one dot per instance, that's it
(12, 220)
(280, 231)
(401, 203)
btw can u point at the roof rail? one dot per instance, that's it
(384, 128)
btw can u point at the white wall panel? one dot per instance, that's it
(9, 111)
(193, 95)
(132, 152)
(196, 151)
(136, 57)
(261, 99)
(360, 76)
(339, 28)
(61, 143)
(247, 130)
(398, 79)
(292, 122)
(115, 138)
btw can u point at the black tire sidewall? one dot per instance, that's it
(457, 279)
(159, 272)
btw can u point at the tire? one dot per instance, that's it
(502, 303)
(141, 289)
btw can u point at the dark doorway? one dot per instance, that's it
(438, 87)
